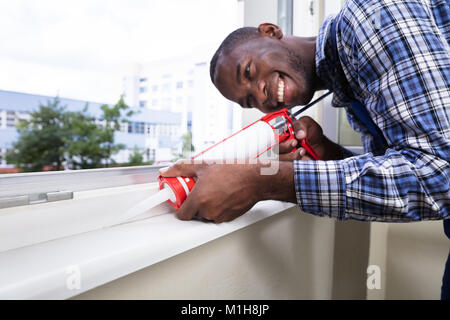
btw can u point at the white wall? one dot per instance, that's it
(287, 256)
(412, 258)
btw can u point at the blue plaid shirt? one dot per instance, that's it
(395, 60)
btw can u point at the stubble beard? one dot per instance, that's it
(296, 63)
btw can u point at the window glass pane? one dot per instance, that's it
(87, 84)
(10, 119)
(347, 136)
(166, 86)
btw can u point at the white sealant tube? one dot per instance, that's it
(249, 143)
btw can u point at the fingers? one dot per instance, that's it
(306, 127)
(306, 157)
(297, 155)
(287, 146)
(192, 207)
(301, 127)
(183, 168)
(227, 216)
(189, 208)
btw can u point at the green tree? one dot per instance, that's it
(112, 118)
(41, 139)
(187, 147)
(136, 158)
(84, 142)
(53, 136)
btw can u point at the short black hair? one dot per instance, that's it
(232, 40)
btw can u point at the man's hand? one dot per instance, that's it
(306, 127)
(223, 192)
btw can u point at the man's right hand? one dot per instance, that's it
(307, 128)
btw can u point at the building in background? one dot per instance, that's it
(156, 133)
(182, 85)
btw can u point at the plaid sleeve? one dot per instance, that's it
(385, 188)
(320, 187)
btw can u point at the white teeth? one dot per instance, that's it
(280, 90)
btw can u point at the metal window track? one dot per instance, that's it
(20, 189)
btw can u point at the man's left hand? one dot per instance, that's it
(223, 192)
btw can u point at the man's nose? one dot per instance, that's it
(261, 92)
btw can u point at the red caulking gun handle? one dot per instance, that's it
(305, 144)
(290, 131)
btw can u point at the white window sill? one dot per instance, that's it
(42, 270)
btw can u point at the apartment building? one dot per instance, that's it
(156, 133)
(183, 85)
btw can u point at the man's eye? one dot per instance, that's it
(249, 102)
(247, 72)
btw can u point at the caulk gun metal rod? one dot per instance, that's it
(310, 105)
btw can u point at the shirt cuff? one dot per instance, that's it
(320, 187)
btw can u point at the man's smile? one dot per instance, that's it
(280, 93)
(277, 91)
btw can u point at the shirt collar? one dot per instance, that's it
(325, 64)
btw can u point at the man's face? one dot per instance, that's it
(264, 73)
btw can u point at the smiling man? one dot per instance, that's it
(260, 68)
(388, 64)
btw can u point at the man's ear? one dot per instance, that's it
(270, 30)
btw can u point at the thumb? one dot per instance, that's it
(301, 128)
(189, 208)
(184, 168)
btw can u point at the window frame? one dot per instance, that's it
(38, 187)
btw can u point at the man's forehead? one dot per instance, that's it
(230, 66)
(228, 62)
(239, 51)
(225, 75)
(229, 59)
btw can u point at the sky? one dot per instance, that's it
(82, 49)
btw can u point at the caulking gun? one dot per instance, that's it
(253, 141)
